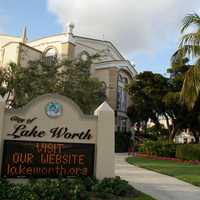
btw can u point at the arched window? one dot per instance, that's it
(125, 80)
(84, 55)
(120, 78)
(121, 93)
(103, 87)
(50, 55)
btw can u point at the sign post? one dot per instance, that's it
(105, 141)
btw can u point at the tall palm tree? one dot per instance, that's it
(190, 47)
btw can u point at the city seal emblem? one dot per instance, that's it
(54, 109)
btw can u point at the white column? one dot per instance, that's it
(105, 157)
(2, 112)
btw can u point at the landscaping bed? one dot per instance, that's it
(82, 188)
(184, 171)
(143, 155)
(163, 150)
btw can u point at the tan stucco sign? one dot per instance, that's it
(51, 137)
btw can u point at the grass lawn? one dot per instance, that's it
(140, 197)
(186, 172)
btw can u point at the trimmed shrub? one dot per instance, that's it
(188, 152)
(108, 188)
(140, 148)
(79, 188)
(159, 148)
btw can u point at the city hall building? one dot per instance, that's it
(110, 67)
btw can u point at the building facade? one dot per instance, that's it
(110, 67)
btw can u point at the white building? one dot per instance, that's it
(111, 67)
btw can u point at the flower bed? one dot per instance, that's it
(137, 154)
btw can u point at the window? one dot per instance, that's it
(120, 78)
(103, 87)
(122, 94)
(125, 80)
(50, 55)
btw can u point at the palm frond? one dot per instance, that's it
(191, 86)
(189, 50)
(190, 19)
(177, 57)
(198, 62)
(191, 39)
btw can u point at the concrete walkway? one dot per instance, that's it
(159, 186)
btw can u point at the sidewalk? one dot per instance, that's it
(159, 186)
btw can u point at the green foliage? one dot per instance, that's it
(188, 152)
(122, 141)
(155, 133)
(155, 97)
(190, 46)
(159, 148)
(140, 148)
(80, 188)
(45, 190)
(109, 187)
(89, 182)
(147, 91)
(4, 189)
(70, 78)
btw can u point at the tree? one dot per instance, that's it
(70, 78)
(177, 111)
(147, 92)
(184, 118)
(156, 98)
(190, 46)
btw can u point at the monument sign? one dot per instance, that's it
(51, 138)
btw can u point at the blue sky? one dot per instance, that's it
(146, 32)
(31, 13)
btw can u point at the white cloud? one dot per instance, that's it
(132, 25)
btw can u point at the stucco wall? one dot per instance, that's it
(28, 54)
(103, 75)
(5, 39)
(10, 53)
(112, 97)
(70, 115)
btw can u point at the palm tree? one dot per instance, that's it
(190, 47)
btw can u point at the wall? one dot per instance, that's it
(10, 53)
(112, 97)
(103, 75)
(28, 54)
(5, 39)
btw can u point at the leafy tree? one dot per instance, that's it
(147, 92)
(190, 46)
(70, 78)
(186, 117)
(156, 98)
(173, 106)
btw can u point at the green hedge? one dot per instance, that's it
(159, 148)
(80, 188)
(188, 151)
